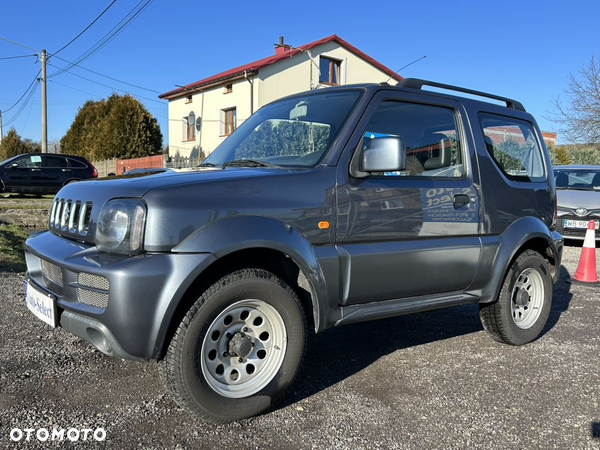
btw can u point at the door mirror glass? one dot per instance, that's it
(384, 154)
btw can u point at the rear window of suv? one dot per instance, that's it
(513, 146)
(77, 164)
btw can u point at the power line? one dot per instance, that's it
(105, 76)
(20, 45)
(18, 56)
(132, 15)
(23, 106)
(85, 29)
(29, 113)
(24, 93)
(75, 89)
(111, 87)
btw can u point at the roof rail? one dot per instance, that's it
(416, 83)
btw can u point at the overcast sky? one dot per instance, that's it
(520, 49)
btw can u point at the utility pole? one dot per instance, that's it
(44, 105)
(1, 133)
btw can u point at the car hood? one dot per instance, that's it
(103, 189)
(578, 199)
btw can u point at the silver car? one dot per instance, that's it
(578, 192)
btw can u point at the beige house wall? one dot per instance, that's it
(285, 77)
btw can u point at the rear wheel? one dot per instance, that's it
(237, 349)
(523, 306)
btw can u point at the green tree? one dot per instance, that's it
(12, 145)
(117, 127)
(585, 155)
(562, 156)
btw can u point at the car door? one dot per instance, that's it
(414, 232)
(24, 174)
(55, 172)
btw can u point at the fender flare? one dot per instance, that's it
(229, 235)
(508, 245)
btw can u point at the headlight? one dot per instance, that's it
(121, 226)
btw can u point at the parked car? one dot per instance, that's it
(578, 194)
(43, 173)
(325, 208)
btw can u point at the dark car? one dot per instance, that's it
(43, 173)
(578, 195)
(322, 209)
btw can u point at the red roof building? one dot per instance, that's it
(202, 114)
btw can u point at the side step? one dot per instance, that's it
(391, 308)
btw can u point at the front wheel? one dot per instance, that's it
(237, 349)
(523, 306)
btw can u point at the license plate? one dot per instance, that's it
(578, 224)
(42, 306)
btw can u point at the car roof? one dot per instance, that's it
(577, 167)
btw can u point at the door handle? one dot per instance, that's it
(461, 200)
(66, 170)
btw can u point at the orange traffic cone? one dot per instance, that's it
(586, 271)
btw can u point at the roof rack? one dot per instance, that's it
(416, 83)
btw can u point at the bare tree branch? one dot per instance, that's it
(580, 115)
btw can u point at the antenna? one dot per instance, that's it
(410, 64)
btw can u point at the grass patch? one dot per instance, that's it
(12, 239)
(26, 206)
(26, 196)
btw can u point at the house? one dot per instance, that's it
(204, 113)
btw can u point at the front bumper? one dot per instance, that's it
(136, 303)
(574, 233)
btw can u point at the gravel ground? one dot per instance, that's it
(433, 380)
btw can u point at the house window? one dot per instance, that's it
(330, 71)
(188, 99)
(228, 89)
(189, 127)
(228, 121)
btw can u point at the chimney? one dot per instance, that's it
(281, 47)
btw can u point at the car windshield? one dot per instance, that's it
(7, 161)
(295, 132)
(577, 179)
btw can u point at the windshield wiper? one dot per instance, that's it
(207, 164)
(248, 163)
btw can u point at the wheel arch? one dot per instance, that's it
(528, 233)
(256, 243)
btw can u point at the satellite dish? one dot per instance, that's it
(198, 123)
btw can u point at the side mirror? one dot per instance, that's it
(385, 154)
(13, 166)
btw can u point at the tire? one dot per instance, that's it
(523, 306)
(238, 348)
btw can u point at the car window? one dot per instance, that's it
(577, 179)
(430, 134)
(28, 162)
(513, 146)
(76, 164)
(54, 161)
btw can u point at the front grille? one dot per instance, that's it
(572, 232)
(93, 281)
(53, 276)
(72, 216)
(92, 298)
(92, 289)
